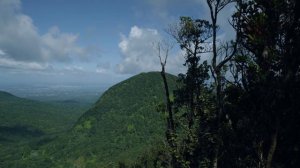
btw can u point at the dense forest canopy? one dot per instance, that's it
(240, 108)
(236, 105)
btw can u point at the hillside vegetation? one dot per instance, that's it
(46, 117)
(122, 125)
(26, 124)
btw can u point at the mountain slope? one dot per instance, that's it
(123, 124)
(19, 115)
(25, 125)
(137, 95)
(6, 96)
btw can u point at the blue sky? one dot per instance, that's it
(89, 41)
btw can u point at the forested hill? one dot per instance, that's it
(139, 94)
(46, 117)
(123, 125)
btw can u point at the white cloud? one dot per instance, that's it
(60, 46)
(137, 51)
(136, 32)
(139, 55)
(20, 40)
(8, 63)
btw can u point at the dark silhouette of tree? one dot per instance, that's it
(192, 36)
(269, 68)
(189, 102)
(215, 7)
(252, 118)
(164, 48)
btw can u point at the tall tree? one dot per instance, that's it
(215, 7)
(163, 53)
(192, 36)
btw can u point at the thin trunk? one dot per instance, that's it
(219, 97)
(170, 133)
(272, 149)
(168, 101)
(219, 110)
(217, 82)
(171, 129)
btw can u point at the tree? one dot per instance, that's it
(192, 36)
(215, 7)
(252, 119)
(269, 32)
(171, 132)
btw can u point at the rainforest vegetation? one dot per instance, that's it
(237, 104)
(240, 108)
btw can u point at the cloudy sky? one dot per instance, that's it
(89, 41)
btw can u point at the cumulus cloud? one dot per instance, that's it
(60, 46)
(20, 41)
(139, 55)
(12, 64)
(137, 51)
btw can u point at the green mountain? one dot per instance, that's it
(123, 125)
(26, 125)
(24, 114)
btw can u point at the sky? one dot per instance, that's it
(90, 41)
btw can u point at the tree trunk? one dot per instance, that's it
(170, 128)
(272, 149)
(168, 101)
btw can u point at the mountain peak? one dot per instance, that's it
(124, 116)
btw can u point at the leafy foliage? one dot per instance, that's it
(251, 119)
